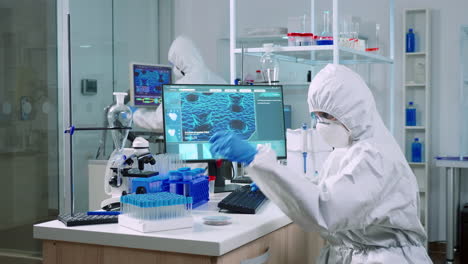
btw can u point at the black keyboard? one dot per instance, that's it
(242, 179)
(79, 219)
(243, 200)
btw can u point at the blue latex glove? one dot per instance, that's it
(254, 187)
(231, 147)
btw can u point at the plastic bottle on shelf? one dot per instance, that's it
(410, 41)
(270, 64)
(411, 114)
(292, 39)
(374, 44)
(416, 151)
(326, 37)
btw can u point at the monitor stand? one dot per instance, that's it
(222, 172)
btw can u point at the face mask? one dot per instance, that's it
(334, 133)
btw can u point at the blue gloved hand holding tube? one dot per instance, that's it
(231, 147)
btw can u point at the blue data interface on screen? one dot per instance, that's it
(148, 81)
(192, 114)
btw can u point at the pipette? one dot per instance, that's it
(304, 145)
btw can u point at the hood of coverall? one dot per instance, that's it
(339, 91)
(184, 55)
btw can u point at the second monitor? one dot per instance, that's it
(146, 82)
(194, 113)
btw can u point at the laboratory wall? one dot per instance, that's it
(28, 124)
(105, 36)
(210, 31)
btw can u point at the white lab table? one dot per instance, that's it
(453, 171)
(247, 237)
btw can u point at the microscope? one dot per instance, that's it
(123, 166)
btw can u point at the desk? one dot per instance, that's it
(247, 237)
(453, 172)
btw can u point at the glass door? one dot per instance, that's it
(105, 37)
(28, 125)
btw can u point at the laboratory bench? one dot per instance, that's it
(250, 239)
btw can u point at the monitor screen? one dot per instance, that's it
(147, 82)
(194, 113)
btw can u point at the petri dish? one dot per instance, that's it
(217, 220)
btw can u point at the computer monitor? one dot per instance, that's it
(194, 113)
(146, 83)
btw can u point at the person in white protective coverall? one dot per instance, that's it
(365, 203)
(188, 68)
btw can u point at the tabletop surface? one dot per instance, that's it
(201, 239)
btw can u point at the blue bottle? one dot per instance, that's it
(410, 41)
(416, 151)
(410, 114)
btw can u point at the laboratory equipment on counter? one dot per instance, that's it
(269, 64)
(194, 113)
(410, 41)
(411, 114)
(146, 81)
(243, 200)
(416, 151)
(154, 184)
(156, 212)
(242, 179)
(194, 183)
(123, 166)
(79, 219)
(212, 180)
(217, 220)
(119, 115)
(326, 37)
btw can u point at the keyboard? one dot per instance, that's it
(79, 219)
(243, 200)
(242, 179)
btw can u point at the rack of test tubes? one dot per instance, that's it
(153, 212)
(190, 183)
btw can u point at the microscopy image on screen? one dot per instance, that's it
(232, 111)
(148, 81)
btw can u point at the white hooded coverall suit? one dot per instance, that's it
(365, 203)
(185, 57)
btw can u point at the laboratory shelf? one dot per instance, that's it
(260, 38)
(415, 53)
(318, 55)
(417, 164)
(415, 85)
(415, 127)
